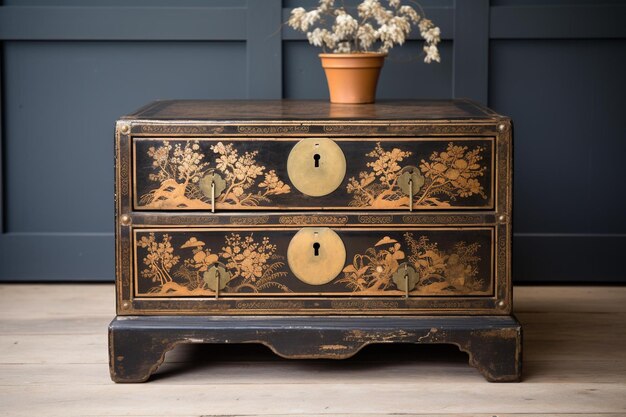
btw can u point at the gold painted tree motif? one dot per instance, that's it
(192, 270)
(378, 188)
(452, 173)
(443, 178)
(439, 272)
(373, 270)
(240, 173)
(159, 260)
(462, 267)
(248, 261)
(180, 170)
(253, 266)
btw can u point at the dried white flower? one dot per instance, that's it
(345, 25)
(316, 38)
(385, 47)
(395, 31)
(432, 35)
(366, 8)
(302, 20)
(326, 5)
(366, 36)
(296, 17)
(409, 12)
(343, 48)
(322, 38)
(309, 19)
(378, 28)
(372, 9)
(425, 24)
(432, 54)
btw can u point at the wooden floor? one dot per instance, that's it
(53, 362)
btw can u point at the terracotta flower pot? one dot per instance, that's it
(352, 78)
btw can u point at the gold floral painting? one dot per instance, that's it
(439, 271)
(252, 265)
(445, 177)
(183, 175)
(176, 175)
(184, 263)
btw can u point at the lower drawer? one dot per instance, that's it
(313, 262)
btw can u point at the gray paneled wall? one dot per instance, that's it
(69, 68)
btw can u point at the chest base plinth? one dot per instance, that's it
(137, 344)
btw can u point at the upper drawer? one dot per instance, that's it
(313, 173)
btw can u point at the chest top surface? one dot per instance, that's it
(290, 110)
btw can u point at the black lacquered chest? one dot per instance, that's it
(313, 228)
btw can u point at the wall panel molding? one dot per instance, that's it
(558, 22)
(264, 49)
(471, 50)
(57, 257)
(123, 23)
(568, 258)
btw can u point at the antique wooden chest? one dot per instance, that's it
(313, 228)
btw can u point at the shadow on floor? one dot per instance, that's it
(202, 357)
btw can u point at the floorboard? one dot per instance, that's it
(53, 362)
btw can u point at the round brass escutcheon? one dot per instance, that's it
(316, 166)
(408, 174)
(406, 276)
(216, 277)
(205, 184)
(316, 255)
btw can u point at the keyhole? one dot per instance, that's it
(316, 248)
(317, 157)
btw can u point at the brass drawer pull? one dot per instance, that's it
(212, 185)
(216, 278)
(410, 181)
(406, 278)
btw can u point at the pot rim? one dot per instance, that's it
(354, 55)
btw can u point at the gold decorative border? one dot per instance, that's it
(375, 219)
(305, 127)
(246, 220)
(205, 301)
(260, 130)
(312, 219)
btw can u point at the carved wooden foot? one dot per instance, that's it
(135, 353)
(137, 345)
